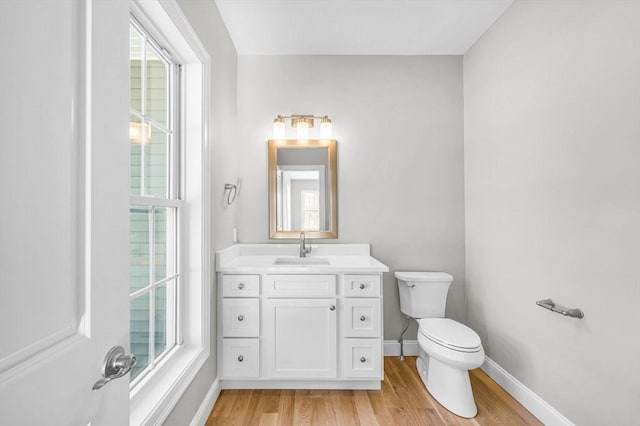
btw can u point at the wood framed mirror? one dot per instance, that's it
(303, 188)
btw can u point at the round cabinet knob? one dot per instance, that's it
(363, 359)
(362, 286)
(240, 317)
(240, 286)
(362, 318)
(332, 308)
(241, 358)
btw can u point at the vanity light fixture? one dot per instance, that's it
(302, 124)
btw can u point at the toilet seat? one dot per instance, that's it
(450, 334)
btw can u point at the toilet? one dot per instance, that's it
(448, 349)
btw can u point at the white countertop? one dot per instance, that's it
(260, 258)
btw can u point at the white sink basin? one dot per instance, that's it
(301, 261)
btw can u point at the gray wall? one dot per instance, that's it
(207, 23)
(398, 122)
(552, 131)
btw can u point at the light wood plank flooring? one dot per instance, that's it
(403, 400)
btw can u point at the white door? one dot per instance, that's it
(63, 217)
(300, 338)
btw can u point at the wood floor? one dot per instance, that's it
(403, 400)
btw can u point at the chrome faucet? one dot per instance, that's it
(304, 250)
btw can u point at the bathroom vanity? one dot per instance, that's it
(286, 321)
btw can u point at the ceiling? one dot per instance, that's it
(358, 27)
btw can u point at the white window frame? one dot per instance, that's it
(172, 200)
(153, 398)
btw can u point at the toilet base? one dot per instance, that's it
(449, 386)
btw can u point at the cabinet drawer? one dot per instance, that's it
(362, 358)
(361, 318)
(241, 317)
(362, 285)
(300, 286)
(240, 285)
(241, 358)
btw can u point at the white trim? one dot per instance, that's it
(525, 396)
(201, 416)
(138, 201)
(183, 366)
(392, 348)
(340, 384)
(153, 401)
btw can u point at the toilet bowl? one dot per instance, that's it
(448, 349)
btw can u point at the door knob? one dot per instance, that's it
(116, 364)
(362, 286)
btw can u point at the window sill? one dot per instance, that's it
(155, 396)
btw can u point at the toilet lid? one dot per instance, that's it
(423, 276)
(449, 333)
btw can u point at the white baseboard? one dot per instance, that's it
(201, 416)
(525, 396)
(392, 348)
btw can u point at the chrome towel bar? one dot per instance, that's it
(550, 305)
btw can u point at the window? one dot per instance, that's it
(310, 210)
(155, 204)
(170, 207)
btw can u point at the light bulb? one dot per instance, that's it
(302, 129)
(139, 132)
(278, 128)
(325, 128)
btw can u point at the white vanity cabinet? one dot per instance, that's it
(300, 328)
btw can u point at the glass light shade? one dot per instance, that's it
(302, 129)
(278, 129)
(325, 129)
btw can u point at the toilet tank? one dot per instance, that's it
(423, 294)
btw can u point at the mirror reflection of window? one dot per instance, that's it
(310, 210)
(300, 191)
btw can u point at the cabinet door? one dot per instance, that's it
(300, 338)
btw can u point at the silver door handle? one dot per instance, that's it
(116, 364)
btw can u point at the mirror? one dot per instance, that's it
(302, 188)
